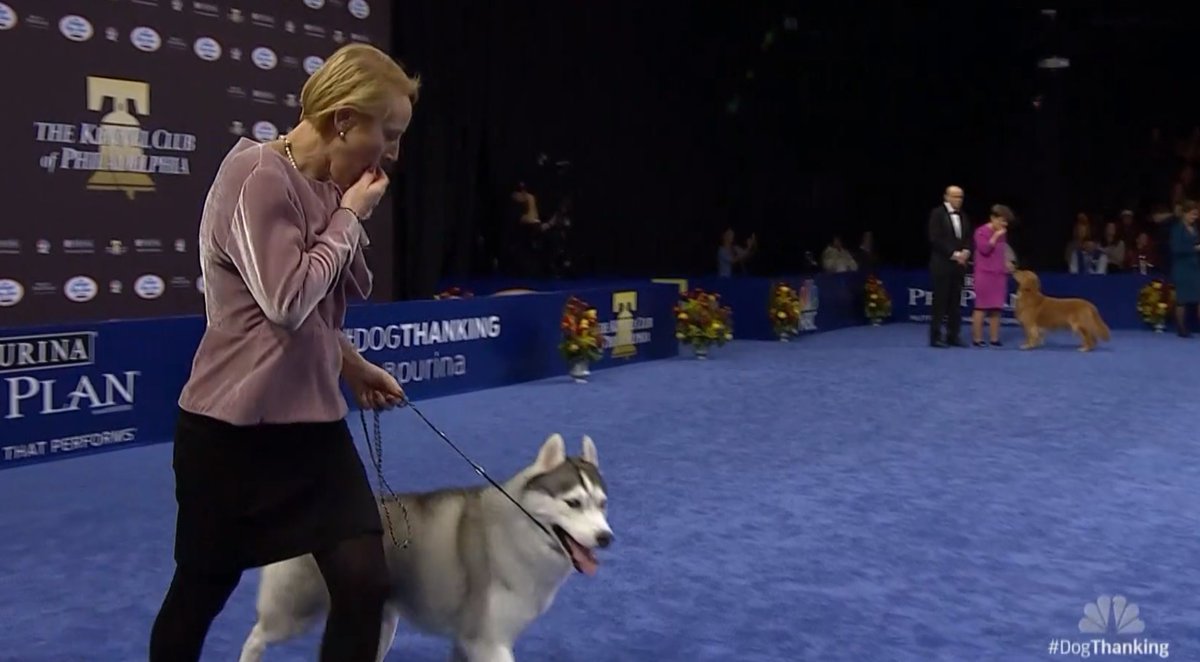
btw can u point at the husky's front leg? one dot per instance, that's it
(482, 651)
(387, 635)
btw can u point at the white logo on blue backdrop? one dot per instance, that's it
(207, 49)
(80, 289)
(312, 63)
(149, 286)
(145, 39)
(264, 58)
(359, 9)
(8, 17)
(265, 131)
(75, 28)
(11, 292)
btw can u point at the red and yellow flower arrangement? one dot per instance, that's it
(453, 293)
(783, 308)
(877, 304)
(1155, 301)
(582, 341)
(701, 320)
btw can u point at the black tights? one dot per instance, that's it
(354, 571)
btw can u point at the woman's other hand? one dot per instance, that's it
(373, 387)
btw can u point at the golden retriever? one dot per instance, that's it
(1037, 313)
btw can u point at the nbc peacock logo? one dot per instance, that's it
(1111, 614)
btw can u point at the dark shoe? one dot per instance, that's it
(937, 343)
(997, 343)
(979, 343)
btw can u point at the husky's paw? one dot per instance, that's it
(479, 651)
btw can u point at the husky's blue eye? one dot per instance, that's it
(574, 503)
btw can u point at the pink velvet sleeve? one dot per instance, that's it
(983, 241)
(267, 245)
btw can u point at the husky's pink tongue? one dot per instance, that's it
(583, 557)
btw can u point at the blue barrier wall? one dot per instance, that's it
(1115, 295)
(76, 389)
(835, 301)
(828, 301)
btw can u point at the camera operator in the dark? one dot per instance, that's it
(557, 238)
(540, 248)
(529, 240)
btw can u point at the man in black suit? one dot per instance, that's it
(949, 243)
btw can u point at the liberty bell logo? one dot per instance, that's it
(119, 135)
(624, 306)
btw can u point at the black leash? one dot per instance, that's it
(375, 447)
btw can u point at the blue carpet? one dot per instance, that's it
(850, 496)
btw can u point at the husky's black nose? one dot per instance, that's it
(603, 540)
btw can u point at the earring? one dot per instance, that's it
(342, 134)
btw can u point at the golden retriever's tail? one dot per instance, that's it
(1102, 330)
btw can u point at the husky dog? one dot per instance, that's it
(476, 569)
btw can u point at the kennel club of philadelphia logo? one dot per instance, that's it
(115, 147)
(1115, 617)
(626, 330)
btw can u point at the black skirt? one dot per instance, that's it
(252, 495)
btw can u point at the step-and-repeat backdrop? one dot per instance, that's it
(118, 113)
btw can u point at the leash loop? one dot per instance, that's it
(375, 449)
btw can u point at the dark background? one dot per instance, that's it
(855, 120)
(45, 75)
(679, 119)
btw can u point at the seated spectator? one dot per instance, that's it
(730, 254)
(1161, 236)
(1141, 257)
(1089, 259)
(1129, 229)
(836, 259)
(1113, 246)
(1081, 234)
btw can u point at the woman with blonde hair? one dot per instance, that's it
(265, 466)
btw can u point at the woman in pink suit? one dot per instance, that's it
(991, 274)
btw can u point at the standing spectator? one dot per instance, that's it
(866, 256)
(1185, 264)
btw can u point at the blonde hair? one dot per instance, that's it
(356, 76)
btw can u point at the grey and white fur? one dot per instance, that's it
(476, 569)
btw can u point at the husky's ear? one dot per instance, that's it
(552, 454)
(589, 452)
